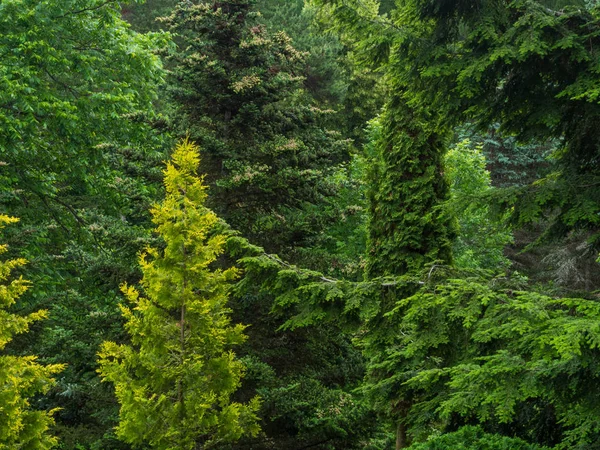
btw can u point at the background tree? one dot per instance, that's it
(21, 377)
(239, 92)
(274, 171)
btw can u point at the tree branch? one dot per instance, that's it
(297, 270)
(94, 8)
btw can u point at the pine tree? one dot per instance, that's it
(175, 380)
(21, 377)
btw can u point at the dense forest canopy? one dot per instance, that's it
(324, 224)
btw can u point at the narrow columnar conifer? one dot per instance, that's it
(408, 224)
(174, 381)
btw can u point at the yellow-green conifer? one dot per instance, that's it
(175, 380)
(21, 377)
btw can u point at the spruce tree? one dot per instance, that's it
(239, 93)
(21, 377)
(174, 381)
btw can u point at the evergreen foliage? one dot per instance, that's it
(528, 67)
(408, 226)
(510, 162)
(458, 347)
(392, 309)
(21, 377)
(239, 91)
(175, 381)
(324, 71)
(474, 438)
(78, 165)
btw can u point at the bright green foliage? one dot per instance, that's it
(71, 75)
(481, 237)
(459, 348)
(175, 381)
(80, 167)
(267, 152)
(474, 438)
(21, 377)
(476, 350)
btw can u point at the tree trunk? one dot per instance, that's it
(401, 441)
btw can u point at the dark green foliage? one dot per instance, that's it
(332, 76)
(143, 15)
(522, 65)
(408, 226)
(274, 169)
(302, 372)
(239, 91)
(324, 69)
(512, 163)
(532, 70)
(474, 438)
(396, 329)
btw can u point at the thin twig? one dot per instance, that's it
(72, 13)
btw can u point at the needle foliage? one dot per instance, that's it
(175, 380)
(21, 377)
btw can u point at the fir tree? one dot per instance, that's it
(21, 377)
(239, 92)
(175, 380)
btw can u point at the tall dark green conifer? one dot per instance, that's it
(408, 225)
(239, 93)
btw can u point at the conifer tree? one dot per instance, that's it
(408, 226)
(175, 380)
(21, 377)
(239, 92)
